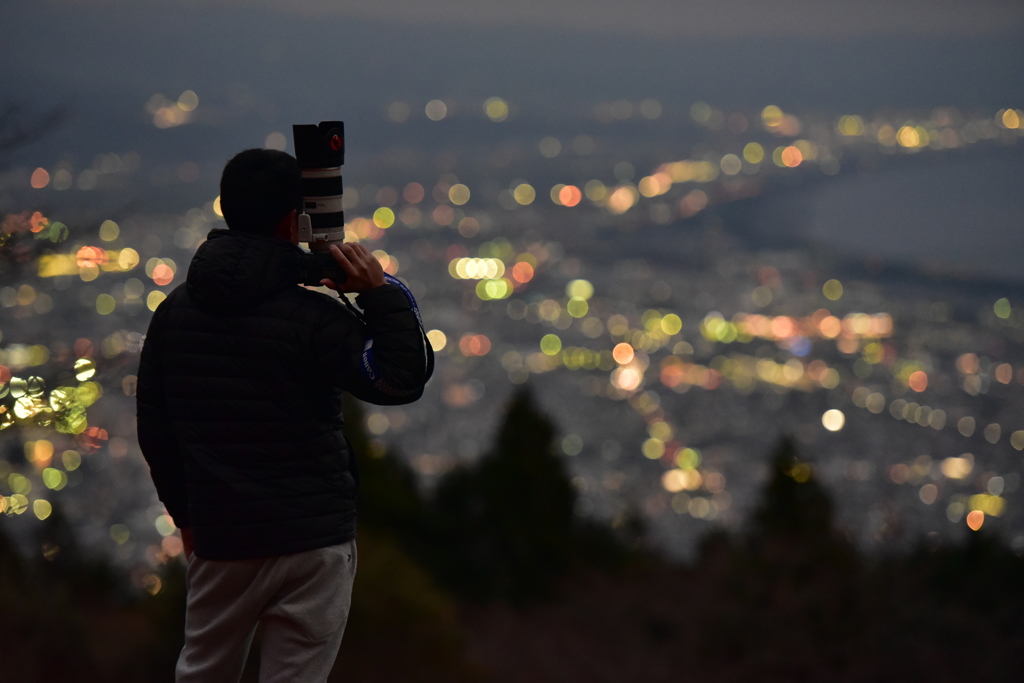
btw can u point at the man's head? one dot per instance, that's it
(259, 189)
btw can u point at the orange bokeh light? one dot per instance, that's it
(918, 381)
(792, 157)
(830, 327)
(38, 222)
(975, 518)
(163, 275)
(40, 178)
(622, 353)
(413, 193)
(522, 272)
(90, 257)
(783, 327)
(672, 375)
(570, 195)
(474, 345)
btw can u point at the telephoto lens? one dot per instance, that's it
(320, 151)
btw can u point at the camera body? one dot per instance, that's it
(320, 152)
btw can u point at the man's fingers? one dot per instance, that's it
(361, 257)
(356, 253)
(343, 259)
(363, 269)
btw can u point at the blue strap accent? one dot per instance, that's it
(369, 362)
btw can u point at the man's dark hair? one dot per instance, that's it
(258, 188)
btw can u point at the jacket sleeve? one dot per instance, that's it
(156, 434)
(381, 359)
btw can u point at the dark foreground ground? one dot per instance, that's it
(482, 582)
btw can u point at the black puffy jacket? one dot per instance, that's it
(239, 397)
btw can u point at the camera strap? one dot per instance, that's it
(369, 363)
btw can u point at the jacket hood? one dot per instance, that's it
(233, 270)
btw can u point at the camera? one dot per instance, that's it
(320, 151)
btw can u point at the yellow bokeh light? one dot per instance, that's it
(595, 190)
(833, 420)
(771, 116)
(1003, 309)
(671, 324)
(577, 307)
(833, 290)
(524, 194)
(753, 153)
(438, 340)
(550, 344)
(128, 258)
(957, 468)
(649, 187)
(627, 379)
(119, 533)
(622, 199)
(556, 191)
(907, 136)
(458, 194)
(673, 481)
(154, 299)
(499, 288)
(661, 430)
(653, 448)
(384, 217)
(476, 268)
(701, 112)
(85, 368)
(581, 289)
(188, 100)
(72, 460)
(54, 479)
(42, 508)
(850, 126)
(105, 304)
(109, 231)
(496, 109)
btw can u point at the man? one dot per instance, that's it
(239, 418)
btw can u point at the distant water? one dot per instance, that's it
(964, 215)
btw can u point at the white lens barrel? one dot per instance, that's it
(313, 205)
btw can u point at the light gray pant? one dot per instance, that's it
(301, 600)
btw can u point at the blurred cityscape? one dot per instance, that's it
(647, 270)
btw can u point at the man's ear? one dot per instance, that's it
(288, 227)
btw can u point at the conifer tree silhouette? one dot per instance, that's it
(389, 499)
(503, 527)
(794, 504)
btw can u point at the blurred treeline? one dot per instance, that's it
(493, 578)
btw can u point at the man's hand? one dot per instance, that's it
(363, 269)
